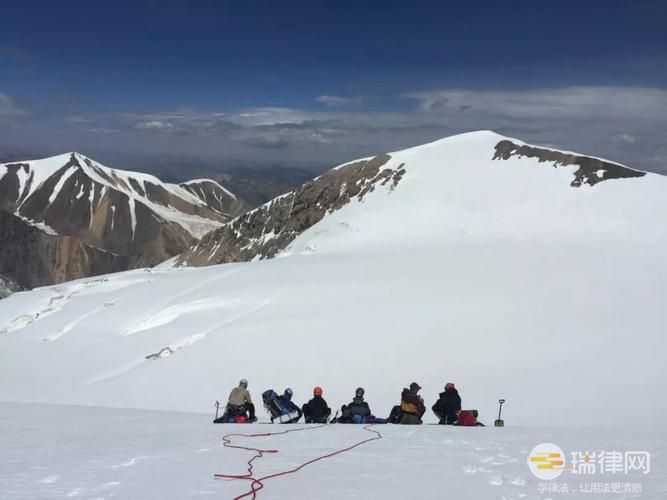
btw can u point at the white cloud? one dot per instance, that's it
(154, 125)
(625, 124)
(9, 107)
(76, 119)
(556, 103)
(626, 138)
(337, 100)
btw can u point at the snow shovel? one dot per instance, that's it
(499, 422)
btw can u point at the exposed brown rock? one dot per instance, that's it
(587, 173)
(31, 257)
(217, 198)
(94, 221)
(269, 229)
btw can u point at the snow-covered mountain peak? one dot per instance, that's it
(511, 270)
(132, 215)
(478, 170)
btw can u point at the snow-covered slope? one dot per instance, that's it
(502, 275)
(74, 452)
(451, 176)
(125, 213)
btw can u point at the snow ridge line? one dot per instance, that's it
(257, 483)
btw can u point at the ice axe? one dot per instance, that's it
(217, 407)
(499, 422)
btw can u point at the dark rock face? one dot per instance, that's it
(217, 198)
(8, 287)
(591, 170)
(269, 229)
(102, 220)
(30, 257)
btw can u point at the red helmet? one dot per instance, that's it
(317, 391)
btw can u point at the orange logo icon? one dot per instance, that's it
(546, 461)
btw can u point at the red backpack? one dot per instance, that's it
(467, 418)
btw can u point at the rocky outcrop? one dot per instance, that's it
(8, 287)
(269, 229)
(31, 257)
(216, 197)
(591, 170)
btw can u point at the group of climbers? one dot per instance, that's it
(410, 411)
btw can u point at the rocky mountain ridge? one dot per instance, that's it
(68, 217)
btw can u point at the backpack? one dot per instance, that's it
(467, 418)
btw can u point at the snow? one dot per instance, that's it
(464, 261)
(41, 170)
(496, 275)
(133, 215)
(107, 453)
(39, 225)
(91, 200)
(79, 195)
(61, 182)
(195, 225)
(211, 181)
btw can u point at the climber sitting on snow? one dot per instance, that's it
(357, 412)
(281, 408)
(412, 405)
(448, 406)
(239, 406)
(316, 411)
(411, 410)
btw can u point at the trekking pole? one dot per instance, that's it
(217, 407)
(499, 422)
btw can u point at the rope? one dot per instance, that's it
(258, 483)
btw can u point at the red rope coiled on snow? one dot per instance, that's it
(258, 483)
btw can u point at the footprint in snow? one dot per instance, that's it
(109, 485)
(514, 496)
(504, 461)
(471, 470)
(50, 479)
(496, 481)
(129, 463)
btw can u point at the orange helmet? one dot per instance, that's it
(317, 391)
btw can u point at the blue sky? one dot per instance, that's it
(303, 82)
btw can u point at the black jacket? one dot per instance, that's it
(357, 407)
(447, 406)
(316, 410)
